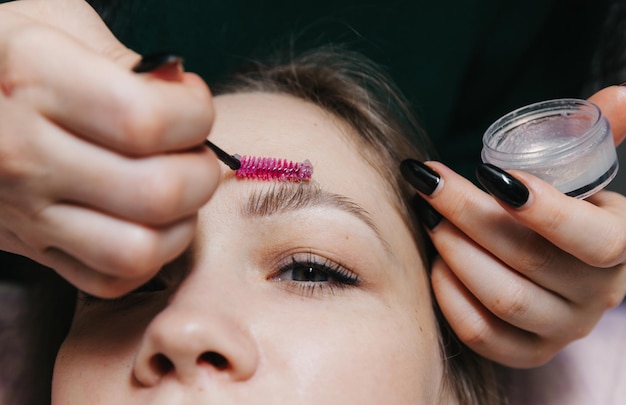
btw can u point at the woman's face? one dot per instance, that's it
(310, 293)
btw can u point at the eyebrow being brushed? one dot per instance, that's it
(280, 198)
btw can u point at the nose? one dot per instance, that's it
(185, 343)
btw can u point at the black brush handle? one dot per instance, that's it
(228, 160)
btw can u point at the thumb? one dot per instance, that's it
(612, 102)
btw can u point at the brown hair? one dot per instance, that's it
(359, 93)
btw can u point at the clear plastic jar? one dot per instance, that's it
(566, 142)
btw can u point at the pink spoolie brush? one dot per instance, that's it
(264, 168)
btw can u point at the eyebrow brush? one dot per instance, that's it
(263, 168)
(169, 67)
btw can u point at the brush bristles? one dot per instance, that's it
(266, 168)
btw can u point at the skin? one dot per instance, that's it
(554, 265)
(56, 142)
(63, 124)
(283, 342)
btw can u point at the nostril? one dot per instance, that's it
(160, 364)
(215, 359)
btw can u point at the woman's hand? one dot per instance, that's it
(101, 172)
(518, 284)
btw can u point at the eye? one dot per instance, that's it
(314, 274)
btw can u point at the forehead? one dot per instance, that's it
(282, 126)
(267, 123)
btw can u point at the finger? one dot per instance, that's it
(89, 95)
(511, 240)
(472, 211)
(74, 17)
(480, 330)
(489, 225)
(87, 279)
(602, 244)
(504, 292)
(560, 219)
(75, 272)
(153, 190)
(612, 102)
(110, 246)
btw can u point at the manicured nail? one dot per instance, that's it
(158, 60)
(502, 185)
(422, 177)
(429, 217)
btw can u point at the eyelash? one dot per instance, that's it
(334, 275)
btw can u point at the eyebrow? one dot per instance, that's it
(284, 197)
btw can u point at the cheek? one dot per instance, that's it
(85, 374)
(98, 354)
(381, 355)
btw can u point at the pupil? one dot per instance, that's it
(309, 274)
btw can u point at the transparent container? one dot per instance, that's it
(566, 142)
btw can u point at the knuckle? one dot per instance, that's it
(581, 331)
(17, 51)
(21, 53)
(140, 255)
(474, 333)
(141, 125)
(146, 120)
(538, 259)
(13, 165)
(612, 298)
(203, 94)
(571, 328)
(534, 351)
(550, 224)
(538, 354)
(21, 164)
(613, 251)
(459, 207)
(537, 255)
(110, 288)
(512, 305)
(163, 193)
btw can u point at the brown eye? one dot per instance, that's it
(308, 273)
(314, 269)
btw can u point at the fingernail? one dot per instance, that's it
(158, 60)
(429, 217)
(502, 185)
(422, 177)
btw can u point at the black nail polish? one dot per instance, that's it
(153, 61)
(422, 177)
(502, 185)
(429, 217)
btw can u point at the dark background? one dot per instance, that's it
(463, 64)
